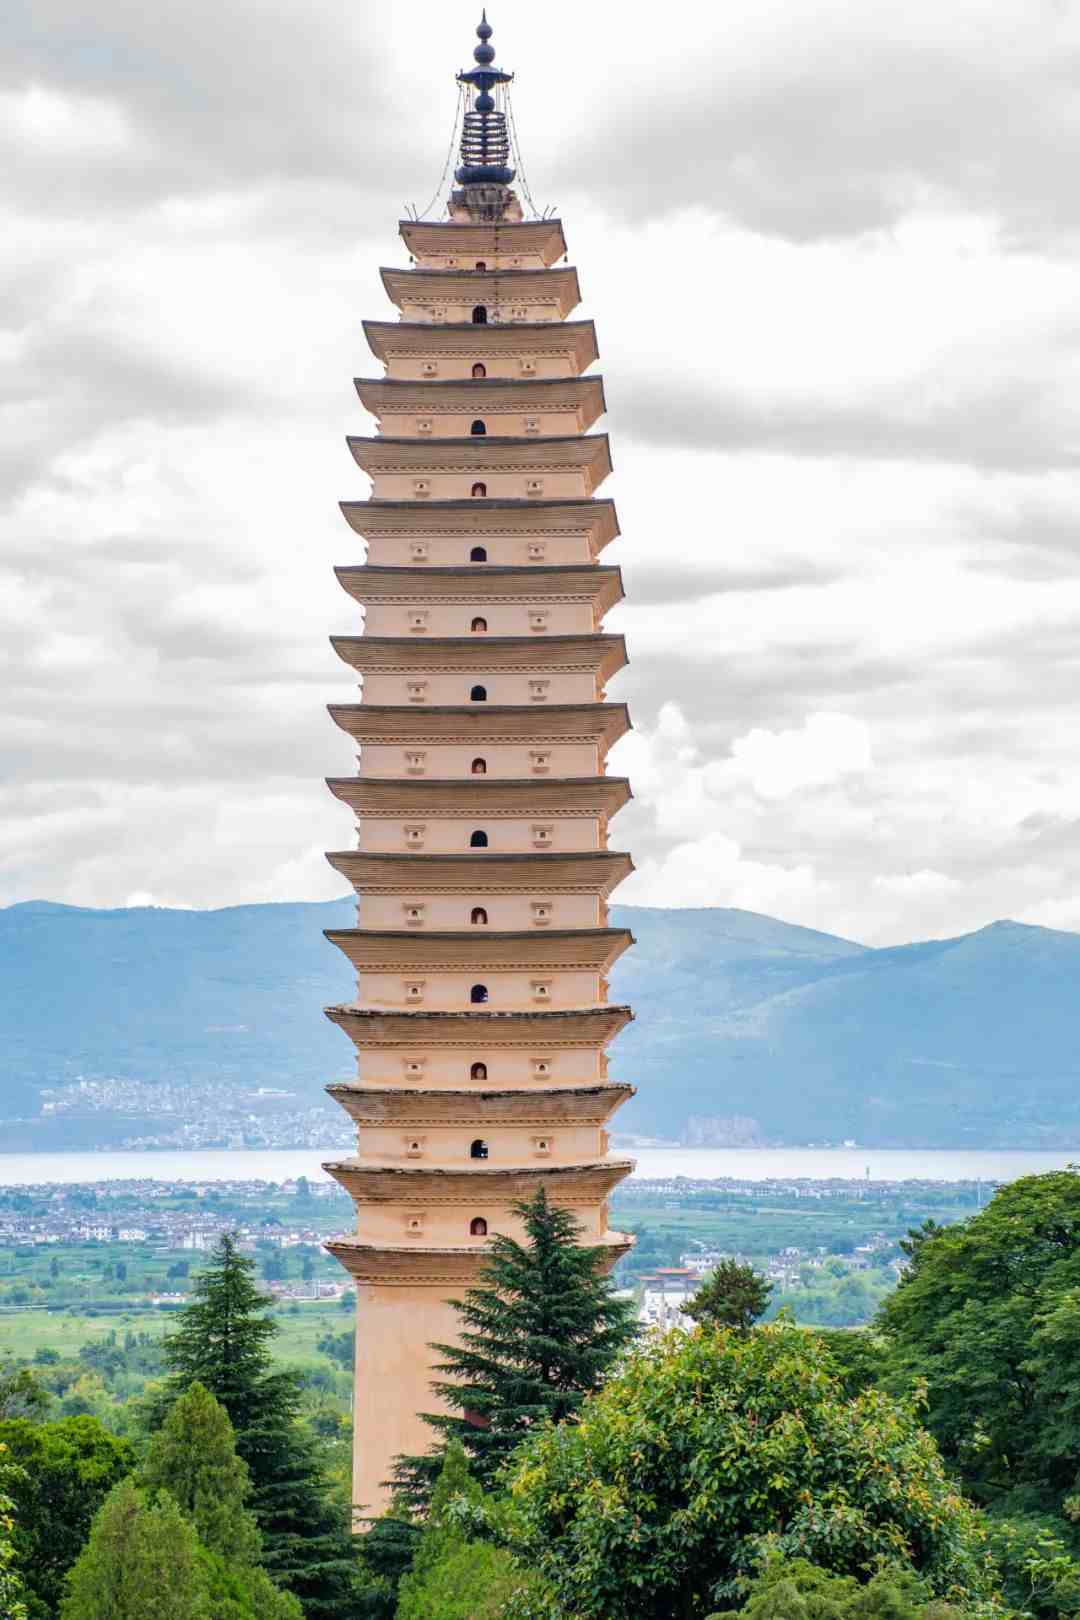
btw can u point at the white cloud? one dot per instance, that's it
(826, 748)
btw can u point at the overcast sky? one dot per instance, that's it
(832, 252)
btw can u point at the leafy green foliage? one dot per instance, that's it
(1039, 1574)
(65, 1471)
(193, 1457)
(140, 1563)
(794, 1589)
(711, 1446)
(541, 1332)
(222, 1343)
(988, 1315)
(732, 1296)
(12, 1590)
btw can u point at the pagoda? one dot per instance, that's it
(482, 867)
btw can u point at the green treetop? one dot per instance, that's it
(541, 1332)
(140, 1563)
(193, 1457)
(732, 1296)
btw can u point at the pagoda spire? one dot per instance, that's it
(485, 140)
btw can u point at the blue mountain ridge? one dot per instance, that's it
(748, 1029)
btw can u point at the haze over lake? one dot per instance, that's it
(653, 1163)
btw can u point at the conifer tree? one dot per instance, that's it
(193, 1457)
(222, 1342)
(732, 1296)
(537, 1337)
(140, 1563)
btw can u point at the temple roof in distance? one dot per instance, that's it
(484, 453)
(490, 287)
(601, 655)
(483, 795)
(602, 723)
(600, 586)
(484, 518)
(480, 395)
(375, 950)
(387, 339)
(594, 872)
(479, 241)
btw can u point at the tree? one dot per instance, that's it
(193, 1457)
(710, 1447)
(541, 1332)
(988, 1314)
(141, 1562)
(793, 1589)
(21, 1395)
(732, 1296)
(66, 1469)
(222, 1342)
(453, 1577)
(12, 1591)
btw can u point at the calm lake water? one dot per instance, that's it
(700, 1164)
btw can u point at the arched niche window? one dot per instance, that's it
(479, 1149)
(480, 265)
(479, 767)
(478, 994)
(478, 429)
(478, 694)
(478, 554)
(478, 491)
(479, 315)
(478, 1071)
(479, 369)
(478, 624)
(478, 840)
(478, 1226)
(479, 916)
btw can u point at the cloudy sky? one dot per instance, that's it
(832, 252)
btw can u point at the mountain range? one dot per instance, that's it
(748, 1030)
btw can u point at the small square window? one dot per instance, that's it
(541, 1067)
(541, 989)
(414, 1067)
(414, 989)
(414, 914)
(414, 835)
(542, 835)
(414, 1224)
(416, 763)
(538, 691)
(419, 551)
(534, 486)
(414, 1147)
(424, 424)
(429, 368)
(421, 487)
(542, 1146)
(538, 619)
(418, 619)
(417, 690)
(539, 760)
(532, 424)
(537, 550)
(541, 912)
(528, 366)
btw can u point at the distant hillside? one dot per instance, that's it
(748, 1029)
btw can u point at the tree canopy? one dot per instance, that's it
(710, 1447)
(141, 1562)
(734, 1296)
(540, 1333)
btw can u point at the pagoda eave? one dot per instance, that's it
(543, 1106)
(598, 655)
(482, 519)
(407, 1266)
(592, 872)
(602, 723)
(486, 795)
(573, 1028)
(588, 454)
(383, 1181)
(434, 395)
(426, 239)
(556, 286)
(380, 950)
(575, 340)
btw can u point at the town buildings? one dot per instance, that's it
(482, 869)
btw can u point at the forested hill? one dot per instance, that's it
(748, 1029)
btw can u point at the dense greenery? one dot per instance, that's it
(732, 1296)
(221, 1343)
(795, 1589)
(12, 1590)
(538, 1335)
(658, 1502)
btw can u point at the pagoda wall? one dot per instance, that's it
(514, 1066)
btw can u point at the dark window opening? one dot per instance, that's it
(479, 315)
(479, 767)
(480, 265)
(478, 428)
(478, 1227)
(478, 554)
(478, 994)
(478, 1071)
(479, 915)
(479, 840)
(479, 369)
(478, 624)
(478, 490)
(478, 694)
(479, 1150)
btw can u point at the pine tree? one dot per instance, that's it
(733, 1296)
(538, 1336)
(222, 1342)
(141, 1562)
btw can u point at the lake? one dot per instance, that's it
(653, 1163)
